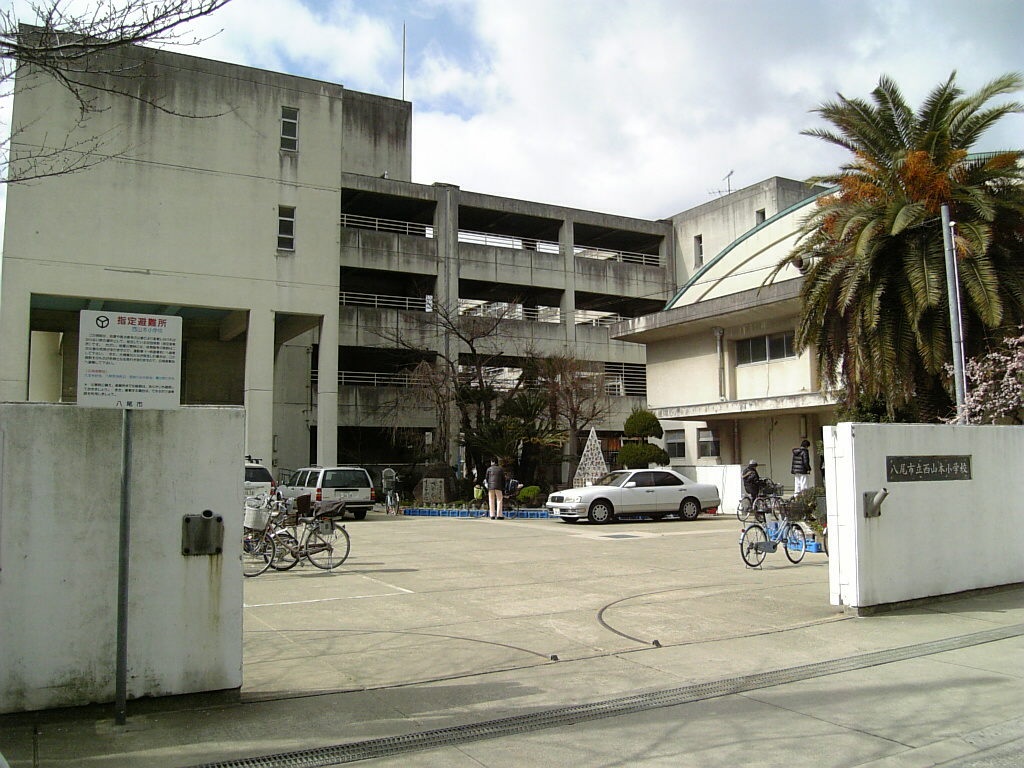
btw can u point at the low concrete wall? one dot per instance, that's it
(933, 537)
(59, 522)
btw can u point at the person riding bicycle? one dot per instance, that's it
(752, 483)
(751, 480)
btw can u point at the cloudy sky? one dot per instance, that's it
(638, 107)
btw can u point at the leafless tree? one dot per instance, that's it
(576, 394)
(75, 46)
(462, 381)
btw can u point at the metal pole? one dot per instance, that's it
(953, 294)
(121, 681)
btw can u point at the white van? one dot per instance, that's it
(257, 479)
(349, 484)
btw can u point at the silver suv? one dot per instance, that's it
(349, 484)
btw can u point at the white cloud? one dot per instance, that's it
(639, 107)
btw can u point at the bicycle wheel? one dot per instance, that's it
(743, 509)
(288, 551)
(795, 544)
(258, 552)
(328, 548)
(752, 545)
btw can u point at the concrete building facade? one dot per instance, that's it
(275, 214)
(721, 351)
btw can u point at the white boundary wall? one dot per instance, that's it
(933, 537)
(59, 520)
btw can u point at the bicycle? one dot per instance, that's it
(758, 540)
(769, 500)
(259, 549)
(323, 541)
(391, 502)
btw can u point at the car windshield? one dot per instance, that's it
(613, 478)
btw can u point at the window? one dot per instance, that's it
(285, 228)
(759, 217)
(290, 129)
(775, 346)
(675, 443)
(698, 250)
(666, 479)
(708, 445)
(643, 479)
(629, 379)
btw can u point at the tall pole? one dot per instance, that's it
(955, 319)
(121, 671)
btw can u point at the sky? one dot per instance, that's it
(636, 107)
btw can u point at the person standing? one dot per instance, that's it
(801, 467)
(494, 479)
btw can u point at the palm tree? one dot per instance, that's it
(874, 291)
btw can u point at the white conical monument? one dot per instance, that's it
(592, 463)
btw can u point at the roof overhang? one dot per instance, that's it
(803, 402)
(747, 306)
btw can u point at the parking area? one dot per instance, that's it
(432, 598)
(461, 642)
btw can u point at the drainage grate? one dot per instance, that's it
(393, 745)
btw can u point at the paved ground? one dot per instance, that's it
(466, 642)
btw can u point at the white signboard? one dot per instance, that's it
(129, 360)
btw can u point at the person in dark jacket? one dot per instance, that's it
(494, 479)
(801, 467)
(751, 480)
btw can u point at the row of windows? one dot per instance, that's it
(759, 349)
(708, 444)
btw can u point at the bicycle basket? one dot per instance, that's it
(256, 518)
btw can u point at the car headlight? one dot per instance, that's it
(573, 499)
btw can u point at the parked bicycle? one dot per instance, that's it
(769, 500)
(271, 540)
(320, 539)
(758, 540)
(259, 549)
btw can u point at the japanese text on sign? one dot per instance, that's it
(914, 468)
(129, 360)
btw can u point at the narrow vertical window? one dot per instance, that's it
(289, 128)
(285, 228)
(698, 250)
(759, 217)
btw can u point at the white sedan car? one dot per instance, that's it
(654, 493)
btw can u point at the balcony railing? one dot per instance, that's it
(378, 379)
(599, 319)
(381, 301)
(395, 226)
(512, 242)
(508, 241)
(506, 311)
(626, 257)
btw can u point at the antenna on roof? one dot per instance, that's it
(728, 185)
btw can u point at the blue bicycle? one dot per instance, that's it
(758, 539)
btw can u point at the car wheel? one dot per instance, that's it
(601, 512)
(359, 514)
(689, 509)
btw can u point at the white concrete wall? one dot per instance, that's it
(59, 522)
(933, 537)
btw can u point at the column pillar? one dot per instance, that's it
(15, 323)
(567, 245)
(327, 393)
(259, 385)
(446, 235)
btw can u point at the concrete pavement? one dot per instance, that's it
(469, 642)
